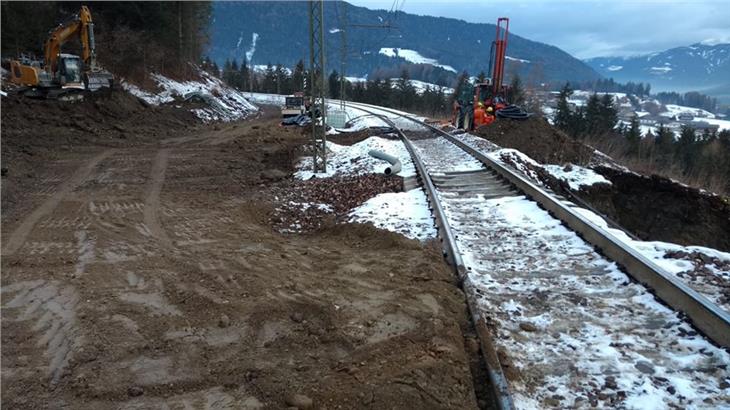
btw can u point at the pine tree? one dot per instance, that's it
(633, 135)
(269, 82)
(298, 76)
(334, 84)
(227, 78)
(686, 145)
(516, 93)
(404, 91)
(244, 76)
(608, 115)
(282, 80)
(593, 115)
(563, 114)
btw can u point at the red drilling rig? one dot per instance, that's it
(489, 98)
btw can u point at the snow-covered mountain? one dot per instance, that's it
(380, 43)
(697, 67)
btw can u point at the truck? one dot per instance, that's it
(293, 105)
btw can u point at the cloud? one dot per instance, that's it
(592, 28)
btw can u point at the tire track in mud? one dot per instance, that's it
(18, 236)
(152, 198)
(51, 308)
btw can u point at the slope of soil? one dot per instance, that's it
(147, 274)
(650, 207)
(657, 208)
(538, 139)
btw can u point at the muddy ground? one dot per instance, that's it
(141, 269)
(650, 207)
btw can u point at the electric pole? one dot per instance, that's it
(343, 51)
(318, 105)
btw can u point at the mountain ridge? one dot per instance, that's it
(445, 41)
(697, 67)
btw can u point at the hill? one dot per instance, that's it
(697, 67)
(277, 32)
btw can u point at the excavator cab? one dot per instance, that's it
(69, 71)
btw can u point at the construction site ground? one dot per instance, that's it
(141, 268)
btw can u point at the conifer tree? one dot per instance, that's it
(563, 114)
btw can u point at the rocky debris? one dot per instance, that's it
(299, 401)
(528, 327)
(135, 391)
(702, 271)
(224, 321)
(307, 205)
(644, 367)
(273, 175)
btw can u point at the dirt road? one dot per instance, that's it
(149, 276)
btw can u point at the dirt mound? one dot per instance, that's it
(657, 208)
(110, 119)
(538, 139)
(36, 132)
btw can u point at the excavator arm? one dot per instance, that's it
(80, 25)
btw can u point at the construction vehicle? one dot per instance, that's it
(62, 74)
(490, 95)
(293, 105)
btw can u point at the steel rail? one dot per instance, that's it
(706, 316)
(498, 381)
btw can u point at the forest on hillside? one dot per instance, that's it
(132, 38)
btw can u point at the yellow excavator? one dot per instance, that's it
(61, 74)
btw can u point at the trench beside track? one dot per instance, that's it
(495, 180)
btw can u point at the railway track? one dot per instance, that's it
(560, 324)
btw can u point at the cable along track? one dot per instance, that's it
(567, 328)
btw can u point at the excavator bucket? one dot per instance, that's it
(95, 80)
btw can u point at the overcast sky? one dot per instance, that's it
(590, 28)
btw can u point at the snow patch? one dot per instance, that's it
(517, 59)
(223, 102)
(354, 159)
(252, 49)
(404, 212)
(614, 67)
(413, 57)
(576, 176)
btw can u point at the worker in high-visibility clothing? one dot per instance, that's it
(479, 115)
(488, 116)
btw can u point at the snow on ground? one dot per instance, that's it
(359, 119)
(674, 110)
(595, 334)
(576, 331)
(408, 212)
(421, 86)
(576, 176)
(263, 98)
(710, 278)
(403, 212)
(224, 103)
(413, 57)
(517, 59)
(724, 124)
(354, 159)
